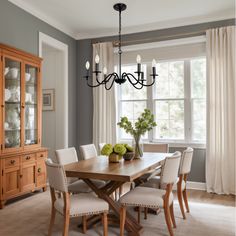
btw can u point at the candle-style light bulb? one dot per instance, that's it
(138, 59)
(97, 59)
(154, 63)
(87, 65)
(104, 70)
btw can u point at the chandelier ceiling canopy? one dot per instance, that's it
(107, 80)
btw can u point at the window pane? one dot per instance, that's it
(170, 119)
(199, 120)
(170, 82)
(198, 78)
(128, 92)
(198, 95)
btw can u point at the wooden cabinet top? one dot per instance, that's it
(21, 53)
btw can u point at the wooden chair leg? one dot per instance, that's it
(120, 190)
(139, 213)
(52, 220)
(168, 220)
(145, 213)
(105, 224)
(185, 199)
(66, 225)
(122, 220)
(172, 215)
(180, 199)
(84, 219)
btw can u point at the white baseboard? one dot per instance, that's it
(194, 185)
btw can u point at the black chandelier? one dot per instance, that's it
(108, 79)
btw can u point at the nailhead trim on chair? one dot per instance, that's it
(85, 214)
(140, 205)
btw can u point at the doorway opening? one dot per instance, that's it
(55, 76)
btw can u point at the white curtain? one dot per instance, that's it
(221, 130)
(104, 102)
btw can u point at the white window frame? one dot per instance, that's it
(188, 105)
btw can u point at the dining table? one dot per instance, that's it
(115, 175)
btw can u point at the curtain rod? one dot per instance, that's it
(153, 39)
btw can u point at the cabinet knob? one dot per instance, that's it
(41, 155)
(21, 176)
(2, 106)
(39, 170)
(28, 158)
(13, 162)
(22, 106)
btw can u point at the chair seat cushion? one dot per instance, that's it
(80, 186)
(145, 197)
(83, 204)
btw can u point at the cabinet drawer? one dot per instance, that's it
(42, 155)
(28, 158)
(12, 162)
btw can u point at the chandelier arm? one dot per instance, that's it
(113, 75)
(134, 84)
(93, 86)
(129, 74)
(141, 81)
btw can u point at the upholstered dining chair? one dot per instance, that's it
(154, 198)
(88, 151)
(156, 147)
(152, 147)
(184, 170)
(67, 156)
(83, 204)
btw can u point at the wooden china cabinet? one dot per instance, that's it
(22, 159)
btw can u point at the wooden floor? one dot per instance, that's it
(210, 215)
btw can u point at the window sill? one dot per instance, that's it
(170, 142)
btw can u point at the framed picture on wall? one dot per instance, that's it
(48, 99)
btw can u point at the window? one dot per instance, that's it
(178, 101)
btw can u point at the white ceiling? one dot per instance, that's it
(95, 18)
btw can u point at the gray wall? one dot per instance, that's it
(197, 173)
(84, 48)
(85, 95)
(20, 29)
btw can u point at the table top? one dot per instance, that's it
(124, 171)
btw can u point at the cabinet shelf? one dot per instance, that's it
(31, 104)
(11, 103)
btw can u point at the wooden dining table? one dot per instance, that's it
(115, 175)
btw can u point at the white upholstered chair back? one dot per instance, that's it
(56, 176)
(186, 161)
(155, 147)
(101, 145)
(171, 169)
(88, 151)
(66, 156)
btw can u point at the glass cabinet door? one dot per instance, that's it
(12, 103)
(31, 105)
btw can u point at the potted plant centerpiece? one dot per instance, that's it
(116, 153)
(144, 123)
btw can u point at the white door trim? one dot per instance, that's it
(45, 39)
